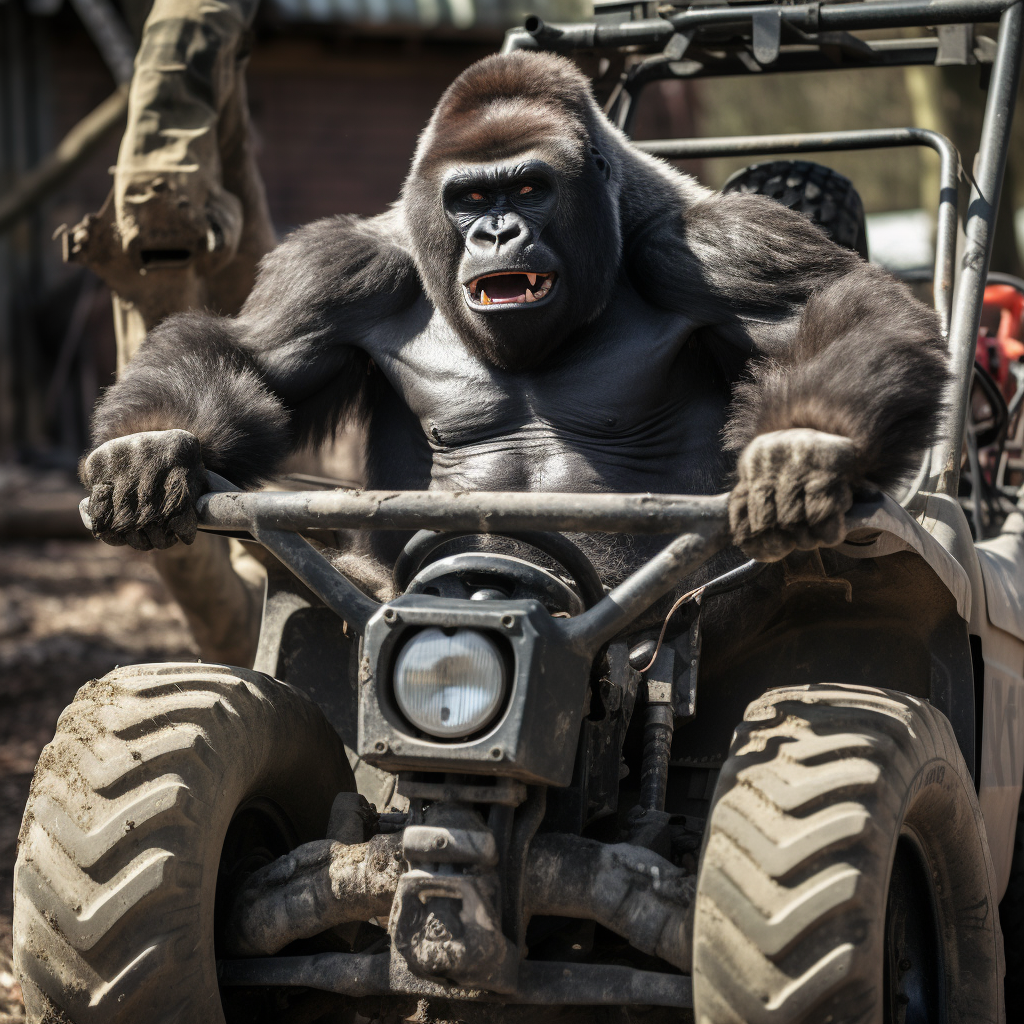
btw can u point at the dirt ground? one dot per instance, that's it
(69, 612)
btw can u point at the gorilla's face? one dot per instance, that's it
(501, 212)
(512, 212)
(537, 253)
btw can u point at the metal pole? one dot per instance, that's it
(28, 191)
(977, 251)
(111, 36)
(465, 511)
(903, 13)
(808, 17)
(636, 594)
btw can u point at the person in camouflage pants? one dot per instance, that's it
(184, 227)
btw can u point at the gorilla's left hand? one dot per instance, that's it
(143, 488)
(793, 488)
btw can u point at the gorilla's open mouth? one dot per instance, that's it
(504, 289)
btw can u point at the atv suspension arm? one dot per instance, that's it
(630, 890)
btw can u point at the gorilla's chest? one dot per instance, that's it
(632, 406)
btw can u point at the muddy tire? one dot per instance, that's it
(130, 806)
(845, 867)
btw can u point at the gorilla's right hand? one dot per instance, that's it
(144, 487)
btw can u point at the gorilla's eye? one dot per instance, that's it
(525, 189)
(475, 196)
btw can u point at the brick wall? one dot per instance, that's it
(336, 129)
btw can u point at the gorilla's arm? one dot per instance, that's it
(282, 374)
(844, 374)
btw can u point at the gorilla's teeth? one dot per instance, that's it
(532, 278)
(529, 297)
(484, 299)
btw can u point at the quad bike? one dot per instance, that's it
(510, 794)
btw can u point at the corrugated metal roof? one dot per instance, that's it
(459, 14)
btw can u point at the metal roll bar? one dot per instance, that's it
(979, 229)
(805, 17)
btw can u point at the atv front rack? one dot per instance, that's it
(273, 519)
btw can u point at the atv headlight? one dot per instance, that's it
(450, 685)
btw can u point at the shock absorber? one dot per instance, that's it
(659, 724)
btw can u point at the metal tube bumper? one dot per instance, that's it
(538, 983)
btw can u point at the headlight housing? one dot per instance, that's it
(450, 685)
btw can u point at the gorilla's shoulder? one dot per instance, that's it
(752, 226)
(342, 259)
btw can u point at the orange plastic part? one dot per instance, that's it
(999, 342)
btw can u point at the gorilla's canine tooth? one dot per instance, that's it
(532, 278)
(484, 299)
(529, 297)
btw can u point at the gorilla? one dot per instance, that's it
(545, 308)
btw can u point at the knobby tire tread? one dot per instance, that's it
(119, 846)
(794, 871)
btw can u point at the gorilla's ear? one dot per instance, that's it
(601, 163)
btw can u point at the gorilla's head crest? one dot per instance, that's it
(512, 205)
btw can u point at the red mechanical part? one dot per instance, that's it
(998, 339)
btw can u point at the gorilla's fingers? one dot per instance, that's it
(769, 546)
(95, 467)
(150, 470)
(138, 540)
(183, 485)
(761, 506)
(789, 500)
(127, 511)
(159, 537)
(144, 486)
(827, 495)
(101, 508)
(830, 532)
(116, 540)
(796, 485)
(176, 489)
(184, 526)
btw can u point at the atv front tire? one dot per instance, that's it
(845, 875)
(117, 871)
